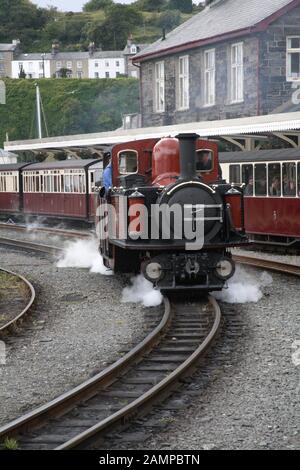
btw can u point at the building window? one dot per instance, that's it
(20, 65)
(96, 74)
(79, 65)
(209, 77)
(118, 74)
(106, 64)
(293, 59)
(160, 87)
(79, 74)
(117, 63)
(96, 64)
(69, 65)
(107, 75)
(237, 73)
(58, 65)
(183, 83)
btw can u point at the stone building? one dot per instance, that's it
(235, 58)
(7, 52)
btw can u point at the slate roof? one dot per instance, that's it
(220, 18)
(7, 47)
(62, 164)
(260, 155)
(71, 55)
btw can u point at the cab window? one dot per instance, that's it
(247, 178)
(128, 162)
(289, 179)
(204, 160)
(274, 179)
(260, 180)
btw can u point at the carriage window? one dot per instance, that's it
(235, 174)
(128, 162)
(274, 180)
(260, 180)
(289, 179)
(298, 179)
(247, 179)
(204, 160)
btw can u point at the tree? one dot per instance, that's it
(94, 5)
(22, 73)
(169, 19)
(185, 6)
(21, 19)
(151, 5)
(113, 32)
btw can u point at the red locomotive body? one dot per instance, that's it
(154, 175)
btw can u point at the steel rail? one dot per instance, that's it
(20, 316)
(268, 264)
(56, 231)
(154, 395)
(157, 393)
(88, 388)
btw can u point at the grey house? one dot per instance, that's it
(235, 58)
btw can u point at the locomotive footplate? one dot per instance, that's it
(205, 271)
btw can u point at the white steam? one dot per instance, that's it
(83, 254)
(142, 291)
(244, 287)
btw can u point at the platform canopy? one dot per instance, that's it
(254, 128)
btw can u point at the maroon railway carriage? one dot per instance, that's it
(58, 189)
(272, 192)
(11, 188)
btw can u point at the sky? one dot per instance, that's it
(70, 5)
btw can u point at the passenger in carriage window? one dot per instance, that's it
(275, 189)
(249, 190)
(290, 188)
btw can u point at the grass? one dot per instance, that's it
(10, 444)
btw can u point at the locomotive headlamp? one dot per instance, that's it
(225, 269)
(152, 271)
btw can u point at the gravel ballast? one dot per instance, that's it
(78, 326)
(246, 393)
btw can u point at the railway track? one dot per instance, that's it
(268, 264)
(146, 375)
(18, 318)
(53, 231)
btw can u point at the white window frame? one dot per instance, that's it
(183, 83)
(209, 78)
(159, 91)
(58, 65)
(79, 65)
(237, 73)
(289, 52)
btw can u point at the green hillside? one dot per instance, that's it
(71, 106)
(109, 26)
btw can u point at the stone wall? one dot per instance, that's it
(265, 84)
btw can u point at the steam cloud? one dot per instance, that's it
(83, 254)
(244, 287)
(142, 291)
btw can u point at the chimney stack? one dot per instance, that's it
(55, 48)
(92, 48)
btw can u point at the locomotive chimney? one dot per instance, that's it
(187, 150)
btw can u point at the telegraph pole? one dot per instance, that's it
(38, 112)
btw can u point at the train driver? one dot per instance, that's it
(107, 176)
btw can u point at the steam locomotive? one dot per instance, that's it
(170, 215)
